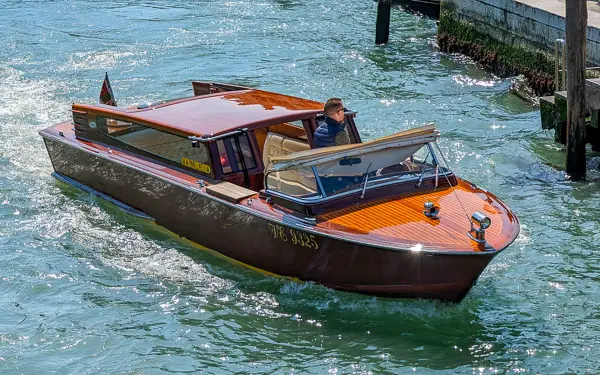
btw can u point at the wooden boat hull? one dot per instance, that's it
(281, 247)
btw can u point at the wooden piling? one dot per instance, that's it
(576, 25)
(382, 29)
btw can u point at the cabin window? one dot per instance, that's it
(168, 146)
(229, 156)
(297, 123)
(293, 129)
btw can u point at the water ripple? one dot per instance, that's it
(87, 289)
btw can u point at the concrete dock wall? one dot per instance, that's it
(529, 23)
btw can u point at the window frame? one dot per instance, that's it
(233, 149)
(102, 129)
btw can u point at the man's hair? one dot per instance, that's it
(332, 105)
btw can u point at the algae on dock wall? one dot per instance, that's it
(505, 56)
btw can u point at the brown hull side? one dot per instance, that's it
(286, 249)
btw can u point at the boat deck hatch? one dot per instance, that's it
(230, 192)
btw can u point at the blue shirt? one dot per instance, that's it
(330, 133)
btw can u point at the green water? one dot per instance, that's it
(87, 289)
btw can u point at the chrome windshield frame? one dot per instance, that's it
(321, 198)
(319, 183)
(443, 168)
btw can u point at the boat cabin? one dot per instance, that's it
(262, 142)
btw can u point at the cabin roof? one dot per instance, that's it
(218, 113)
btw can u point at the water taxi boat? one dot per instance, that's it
(234, 170)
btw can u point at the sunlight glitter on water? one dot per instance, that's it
(468, 81)
(85, 288)
(107, 60)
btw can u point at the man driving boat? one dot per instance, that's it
(332, 131)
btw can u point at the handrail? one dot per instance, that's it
(211, 138)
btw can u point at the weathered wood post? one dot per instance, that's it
(576, 25)
(382, 29)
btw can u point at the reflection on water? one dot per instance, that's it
(87, 289)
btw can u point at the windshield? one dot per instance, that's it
(361, 172)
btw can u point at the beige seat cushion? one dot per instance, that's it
(277, 144)
(288, 182)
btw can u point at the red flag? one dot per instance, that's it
(106, 94)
